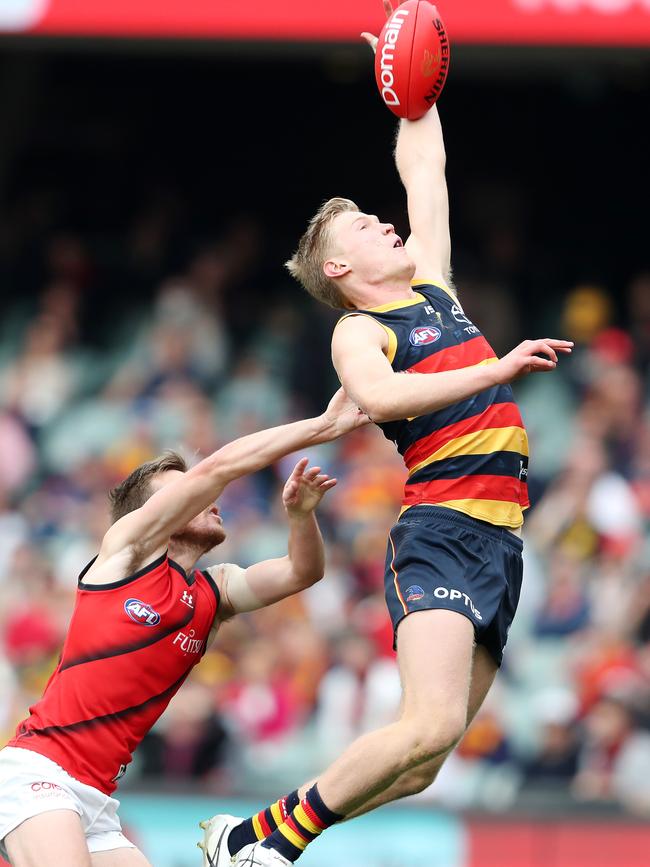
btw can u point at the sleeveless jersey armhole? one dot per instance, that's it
(122, 582)
(390, 334)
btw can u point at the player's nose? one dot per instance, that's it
(387, 228)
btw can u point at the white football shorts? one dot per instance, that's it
(31, 784)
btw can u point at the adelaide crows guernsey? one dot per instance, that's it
(130, 646)
(471, 456)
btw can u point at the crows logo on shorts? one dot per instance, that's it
(414, 593)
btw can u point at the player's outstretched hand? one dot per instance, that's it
(305, 488)
(370, 38)
(344, 415)
(528, 357)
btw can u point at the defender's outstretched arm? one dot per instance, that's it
(171, 507)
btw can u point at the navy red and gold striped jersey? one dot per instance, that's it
(129, 648)
(471, 456)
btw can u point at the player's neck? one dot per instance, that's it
(185, 555)
(370, 295)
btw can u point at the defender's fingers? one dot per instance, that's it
(311, 473)
(330, 483)
(299, 468)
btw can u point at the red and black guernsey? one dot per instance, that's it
(130, 646)
(471, 456)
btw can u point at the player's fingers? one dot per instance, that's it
(320, 479)
(328, 484)
(299, 468)
(541, 346)
(539, 363)
(311, 473)
(559, 344)
(370, 39)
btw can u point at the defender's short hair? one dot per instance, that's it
(306, 264)
(135, 490)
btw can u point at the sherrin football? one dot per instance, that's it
(412, 59)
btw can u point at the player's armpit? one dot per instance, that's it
(236, 594)
(359, 353)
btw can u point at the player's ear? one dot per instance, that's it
(334, 268)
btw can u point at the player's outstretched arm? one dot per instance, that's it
(359, 345)
(304, 564)
(169, 509)
(421, 158)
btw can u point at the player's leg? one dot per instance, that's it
(484, 670)
(48, 840)
(123, 857)
(416, 780)
(435, 651)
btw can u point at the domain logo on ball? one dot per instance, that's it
(412, 59)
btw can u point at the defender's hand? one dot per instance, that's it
(370, 38)
(343, 415)
(305, 488)
(528, 358)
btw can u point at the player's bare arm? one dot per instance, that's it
(420, 157)
(359, 347)
(146, 531)
(304, 564)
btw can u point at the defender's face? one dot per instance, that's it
(368, 248)
(206, 529)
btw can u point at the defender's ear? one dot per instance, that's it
(334, 269)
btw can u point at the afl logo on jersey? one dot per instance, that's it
(142, 613)
(424, 334)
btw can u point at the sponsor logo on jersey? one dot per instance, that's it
(453, 595)
(459, 314)
(45, 786)
(187, 642)
(414, 593)
(187, 599)
(142, 613)
(424, 334)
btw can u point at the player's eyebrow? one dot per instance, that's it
(362, 217)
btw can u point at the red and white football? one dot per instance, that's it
(412, 59)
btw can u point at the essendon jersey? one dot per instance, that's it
(130, 646)
(471, 456)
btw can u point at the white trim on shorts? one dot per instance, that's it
(31, 784)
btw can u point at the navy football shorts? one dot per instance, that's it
(440, 558)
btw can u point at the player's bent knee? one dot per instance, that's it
(419, 779)
(432, 738)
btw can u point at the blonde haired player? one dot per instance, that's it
(453, 565)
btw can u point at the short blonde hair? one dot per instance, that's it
(306, 264)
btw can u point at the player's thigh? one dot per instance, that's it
(50, 839)
(435, 649)
(123, 857)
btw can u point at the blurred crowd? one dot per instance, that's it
(89, 390)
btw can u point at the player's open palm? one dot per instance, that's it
(531, 356)
(305, 488)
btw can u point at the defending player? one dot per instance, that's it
(143, 618)
(453, 566)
